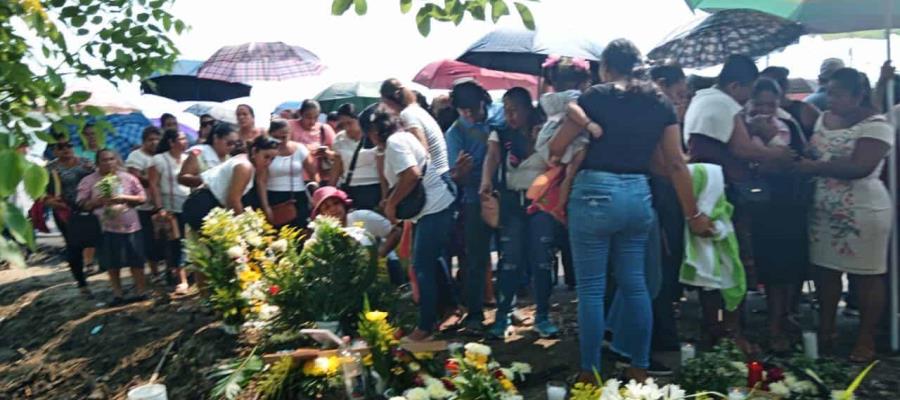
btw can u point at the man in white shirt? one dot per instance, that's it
(137, 163)
(716, 134)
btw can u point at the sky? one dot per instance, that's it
(385, 43)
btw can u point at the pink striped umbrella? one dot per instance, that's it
(443, 74)
(260, 61)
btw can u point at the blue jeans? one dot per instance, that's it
(609, 221)
(477, 236)
(429, 245)
(526, 245)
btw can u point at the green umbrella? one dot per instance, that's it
(818, 16)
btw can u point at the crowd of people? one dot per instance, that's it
(600, 172)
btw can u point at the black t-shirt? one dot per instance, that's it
(632, 123)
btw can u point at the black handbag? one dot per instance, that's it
(83, 230)
(414, 202)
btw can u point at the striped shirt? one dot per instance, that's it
(414, 116)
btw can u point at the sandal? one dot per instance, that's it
(181, 289)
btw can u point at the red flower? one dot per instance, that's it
(451, 366)
(499, 374)
(448, 384)
(398, 334)
(274, 290)
(775, 374)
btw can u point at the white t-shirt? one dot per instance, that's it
(374, 223)
(404, 151)
(711, 113)
(414, 116)
(218, 178)
(285, 169)
(366, 172)
(141, 161)
(521, 177)
(173, 193)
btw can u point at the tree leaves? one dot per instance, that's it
(12, 164)
(16, 224)
(339, 7)
(525, 14)
(452, 11)
(36, 180)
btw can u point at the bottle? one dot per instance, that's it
(354, 373)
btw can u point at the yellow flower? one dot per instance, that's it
(248, 276)
(367, 360)
(507, 385)
(376, 316)
(322, 366)
(424, 355)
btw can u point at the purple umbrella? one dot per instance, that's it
(261, 61)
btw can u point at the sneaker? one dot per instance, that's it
(659, 369)
(546, 329)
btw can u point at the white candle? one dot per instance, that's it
(556, 391)
(811, 345)
(687, 352)
(737, 394)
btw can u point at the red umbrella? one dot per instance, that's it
(442, 74)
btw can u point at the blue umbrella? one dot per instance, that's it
(182, 84)
(125, 138)
(519, 50)
(288, 105)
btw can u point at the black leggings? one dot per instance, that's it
(74, 254)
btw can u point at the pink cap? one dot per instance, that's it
(325, 193)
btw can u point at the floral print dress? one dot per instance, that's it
(850, 220)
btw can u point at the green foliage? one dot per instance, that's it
(41, 42)
(231, 377)
(451, 11)
(716, 370)
(279, 382)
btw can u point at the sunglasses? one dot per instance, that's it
(207, 123)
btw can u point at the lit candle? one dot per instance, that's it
(754, 374)
(737, 394)
(811, 345)
(687, 352)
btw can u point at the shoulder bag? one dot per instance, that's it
(414, 202)
(346, 185)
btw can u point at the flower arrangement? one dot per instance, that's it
(231, 252)
(474, 376)
(633, 390)
(109, 186)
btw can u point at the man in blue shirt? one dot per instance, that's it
(467, 138)
(820, 98)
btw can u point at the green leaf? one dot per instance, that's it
(339, 7)
(78, 97)
(11, 163)
(11, 253)
(405, 6)
(848, 394)
(360, 7)
(83, 31)
(143, 17)
(525, 13)
(476, 10)
(97, 20)
(36, 180)
(32, 122)
(179, 26)
(423, 20)
(78, 21)
(17, 225)
(498, 10)
(69, 12)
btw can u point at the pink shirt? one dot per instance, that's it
(312, 138)
(120, 218)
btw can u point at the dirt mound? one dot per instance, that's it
(56, 344)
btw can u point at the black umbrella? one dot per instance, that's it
(182, 84)
(518, 50)
(712, 40)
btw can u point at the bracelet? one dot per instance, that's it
(697, 215)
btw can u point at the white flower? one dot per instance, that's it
(520, 368)
(254, 240)
(611, 390)
(279, 246)
(414, 366)
(478, 348)
(436, 389)
(454, 347)
(647, 390)
(235, 252)
(779, 389)
(397, 398)
(268, 312)
(673, 392)
(417, 394)
(509, 396)
(508, 373)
